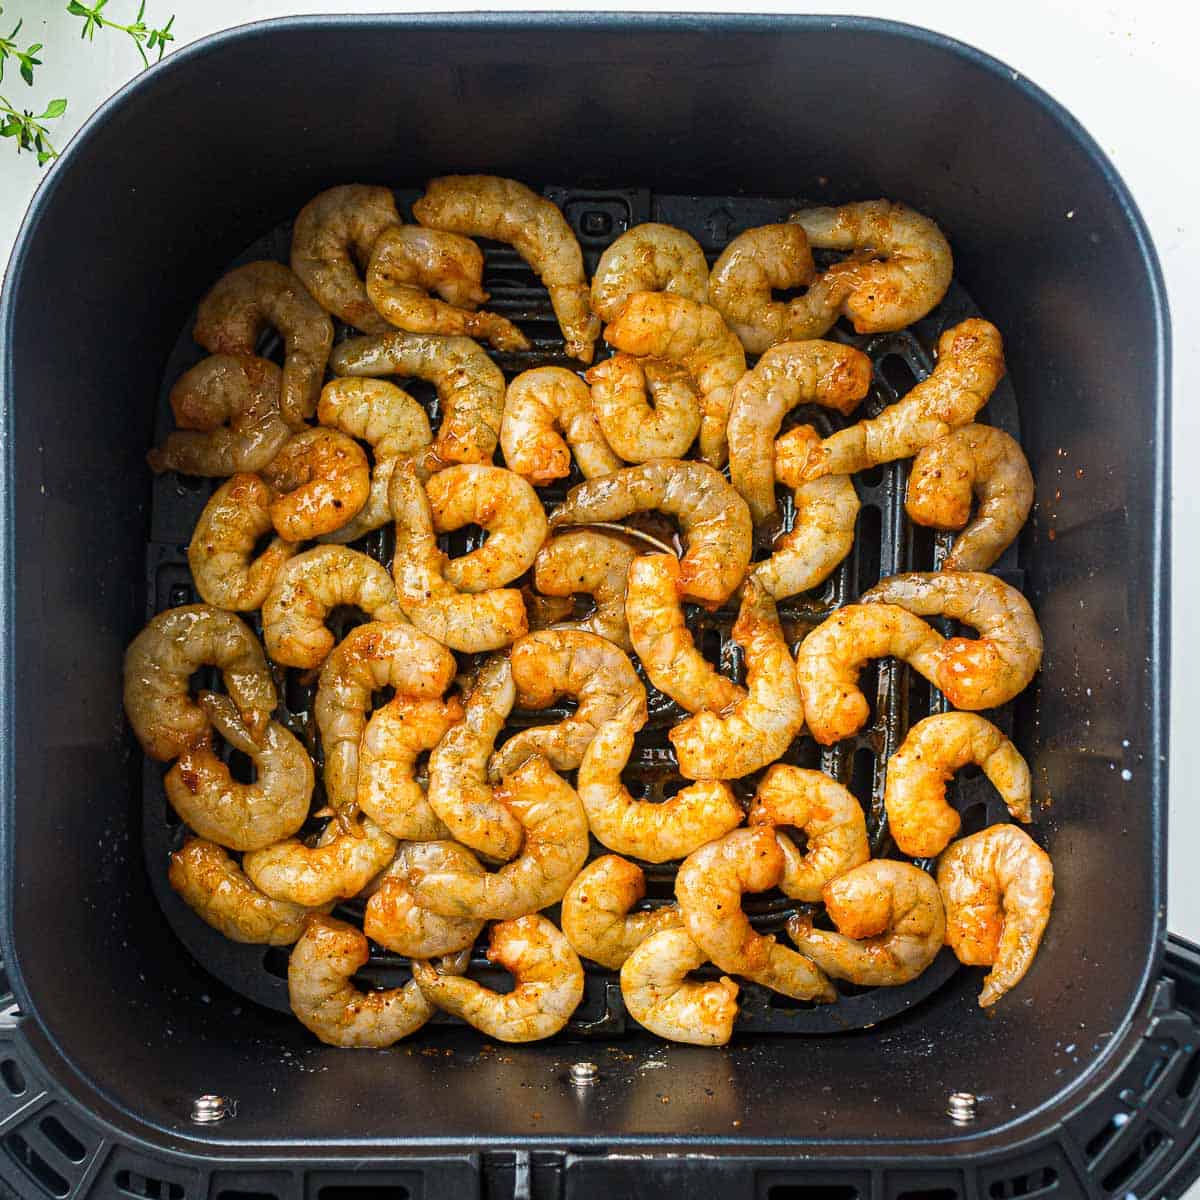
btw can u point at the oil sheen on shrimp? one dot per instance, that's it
(638, 430)
(649, 258)
(588, 562)
(321, 479)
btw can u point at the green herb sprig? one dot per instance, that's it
(28, 131)
(27, 58)
(144, 38)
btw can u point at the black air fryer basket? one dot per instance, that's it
(125, 1010)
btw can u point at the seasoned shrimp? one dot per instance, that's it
(649, 258)
(709, 889)
(713, 517)
(761, 726)
(973, 460)
(214, 887)
(921, 821)
(508, 211)
(240, 305)
(970, 365)
(596, 914)
(322, 479)
(974, 673)
(998, 887)
(831, 819)
(622, 387)
(158, 668)
(242, 816)
(537, 405)
(891, 925)
(658, 994)
(409, 262)
(664, 325)
(644, 829)
(549, 986)
(824, 373)
(882, 295)
(565, 662)
(591, 562)
(227, 531)
(227, 410)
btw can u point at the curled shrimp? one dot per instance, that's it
(663, 325)
(408, 262)
(240, 305)
(322, 479)
(508, 211)
(307, 590)
(236, 516)
(761, 726)
(553, 663)
(973, 460)
(974, 673)
(594, 563)
(921, 821)
(998, 888)
(242, 816)
(653, 832)
(713, 517)
(537, 405)
(886, 295)
(158, 668)
(649, 258)
(597, 916)
(830, 818)
(622, 388)
(709, 888)
(891, 925)
(816, 372)
(227, 410)
(549, 983)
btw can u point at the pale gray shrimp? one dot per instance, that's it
(591, 562)
(973, 460)
(241, 304)
(537, 405)
(998, 888)
(158, 669)
(508, 211)
(322, 480)
(649, 258)
(921, 821)
(549, 983)
(891, 925)
(622, 388)
(714, 519)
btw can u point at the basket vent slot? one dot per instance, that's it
(930, 1193)
(1102, 1137)
(242, 1194)
(146, 1187)
(1125, 1170)
(813, 1191)
(63, 1139)
(364, 1191)
(13, 1076)
(1188, 1077)
(35, 1166)
(1033, 1183)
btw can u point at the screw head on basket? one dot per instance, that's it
(208, 1109)
(961, 1107)
(584, 1072)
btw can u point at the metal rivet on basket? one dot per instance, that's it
(207, 1110)
(961, 1106)
(584, 1072)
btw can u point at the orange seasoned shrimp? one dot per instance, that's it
(973, 460)
(649, 258)
(591, 562)
(622, 387)
(322, 480)
(998, 887)
(240, 305)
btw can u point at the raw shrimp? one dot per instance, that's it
(920, 820)
(881, 295)
(653, 832)
(658, 994)
(830, 817)
(409, 262)
(974, 673)
(973, 460)
(236, 516)
(549, 986)
(714, 519)
(565, 662)
(649, 258)
(709, 889)
(596, 914)
(622, 387)
(998, 887)
(243, 303)
(214, 887)
(760, 727)
(508, 211)
(824, 373)
(470, 386)
(970, 364)
(158, 669)
(891, 925)
(664, 325)
(594, 563)
(540, 403)
(322, 479)
(242, 816)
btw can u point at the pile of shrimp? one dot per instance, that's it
(410, 793)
